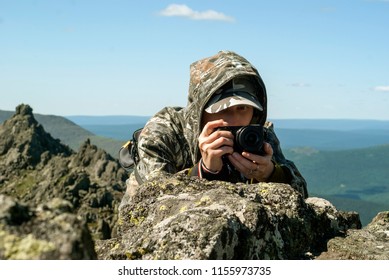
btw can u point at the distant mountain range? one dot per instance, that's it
(318, 134)
(333, 124)
(321, 124)
(353, 180)
(345, 161)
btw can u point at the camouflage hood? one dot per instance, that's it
(208, 75)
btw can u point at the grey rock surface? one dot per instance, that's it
(190, 218)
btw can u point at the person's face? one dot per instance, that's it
(239, 115)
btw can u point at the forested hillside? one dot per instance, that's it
(352, 179)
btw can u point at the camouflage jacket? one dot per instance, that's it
(169, 141)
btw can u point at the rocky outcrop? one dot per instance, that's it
(35, 169)
(23, 142)
(369, 243)
(190, 218)
(48, 232)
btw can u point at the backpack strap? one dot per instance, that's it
(128, 153)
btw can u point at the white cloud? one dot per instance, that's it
(177, 10)
(300, 85)
(328, 10)
(381, 88)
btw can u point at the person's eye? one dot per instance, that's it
(242, 108)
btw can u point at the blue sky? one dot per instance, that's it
(318, 59)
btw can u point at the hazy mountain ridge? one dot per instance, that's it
(355, 179)
(332, 139)
(321, 124)
(333, 124)
(108, 120)
(358, 174)
(318, 134)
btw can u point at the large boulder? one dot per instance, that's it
(369, 243)
(49, 232)
(189, 218)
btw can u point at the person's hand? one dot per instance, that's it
(252, 166)
(214, 144)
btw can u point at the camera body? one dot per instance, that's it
(248, 138)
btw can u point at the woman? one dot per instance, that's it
(225, 91)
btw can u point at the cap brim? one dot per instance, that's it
(232, 101)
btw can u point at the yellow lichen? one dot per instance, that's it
(136, 220)
(163, 208)
(263, 191)
(136, 255)
(115, 247)
(24, 248)
(203, 201)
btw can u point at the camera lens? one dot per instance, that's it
(250, 138)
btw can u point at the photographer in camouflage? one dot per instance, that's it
(225, 90)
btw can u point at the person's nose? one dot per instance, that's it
(233, 119)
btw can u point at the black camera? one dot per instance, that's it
(248, 138)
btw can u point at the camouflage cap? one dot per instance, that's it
(238, 91)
